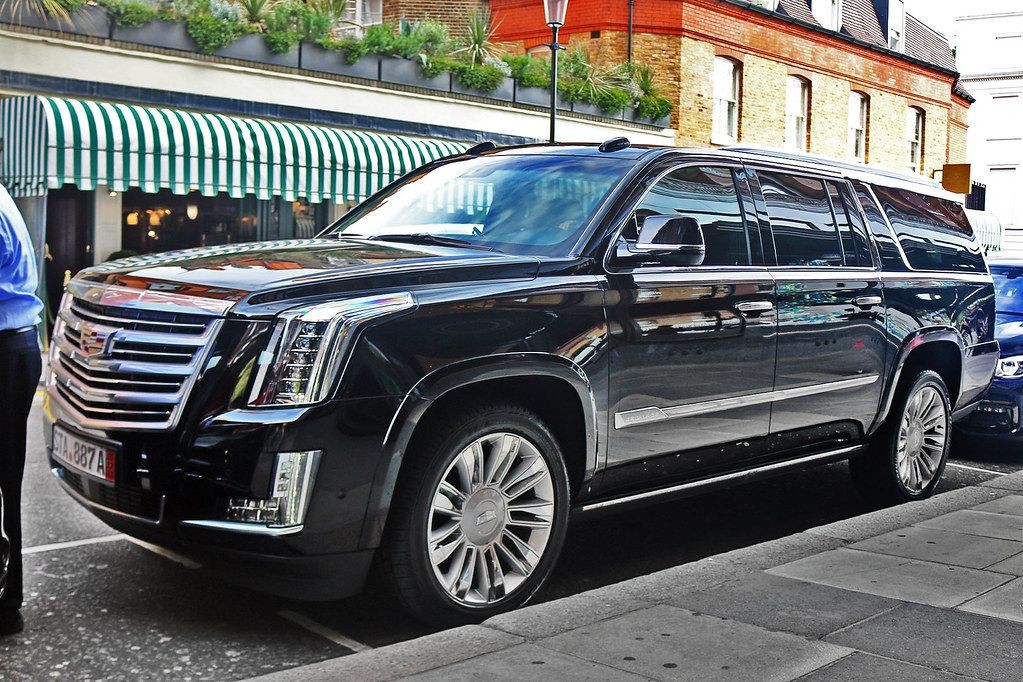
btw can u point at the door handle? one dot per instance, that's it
(754, 307)
(867, 301)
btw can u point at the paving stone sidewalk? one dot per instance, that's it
(931, 590)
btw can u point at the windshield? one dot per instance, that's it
(514, 204)
(1008, 289)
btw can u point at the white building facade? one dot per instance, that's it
(990, 58)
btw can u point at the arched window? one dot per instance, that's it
(915, 122)
(859, 107)
(726, 101)
(797, 113)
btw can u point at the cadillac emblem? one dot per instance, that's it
(92, 341)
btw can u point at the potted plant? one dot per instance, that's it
(339, 57)
(140, 22)
(58, 15)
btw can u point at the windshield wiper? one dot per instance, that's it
(427, 238)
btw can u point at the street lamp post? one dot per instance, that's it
(554, 12)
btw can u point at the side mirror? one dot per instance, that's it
(673, 240)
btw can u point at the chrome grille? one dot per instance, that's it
(128, 366)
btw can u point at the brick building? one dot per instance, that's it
(841, 78)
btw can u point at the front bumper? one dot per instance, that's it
(171, 488)
(998, 414)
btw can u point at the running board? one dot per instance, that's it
(733, 477)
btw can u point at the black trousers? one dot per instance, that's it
(20, 366)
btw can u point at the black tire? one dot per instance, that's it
(876, 474)
(406, 569)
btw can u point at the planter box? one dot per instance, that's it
(540, 97)
(316, 58)
(591, 109)
(631, 115)
(505, 91)
(171, 35)
(89, 20)
(408, 72)
(253, 48)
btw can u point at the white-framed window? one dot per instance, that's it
(897, 25)
(361, 13)
(915, 139)
(726, 101)
(1004, 120)
(797, 113)
(858, 107)
(828, 13)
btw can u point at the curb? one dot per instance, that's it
(586, 608)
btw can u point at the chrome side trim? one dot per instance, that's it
(94, 506)
(239, 527)
(649, 415)
(735, 475)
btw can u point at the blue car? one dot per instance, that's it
(1000, 414)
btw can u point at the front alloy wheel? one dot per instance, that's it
(479, 515)
(491, 519)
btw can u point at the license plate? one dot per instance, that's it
(84, 456)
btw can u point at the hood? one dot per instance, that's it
(265, 271)
(1009, 332)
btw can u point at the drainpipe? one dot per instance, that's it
(632, 7)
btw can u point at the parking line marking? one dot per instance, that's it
(165, 553)
(73, 543)
(983, 471)
(323, 631)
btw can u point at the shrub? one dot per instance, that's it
(529, 71)
(653, 107)
(211, 33)
(133, 13)
(482, 78)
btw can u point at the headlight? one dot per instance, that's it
(1010, 368)
(309, 344)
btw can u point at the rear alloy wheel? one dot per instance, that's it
(907, 456)
(479, 516)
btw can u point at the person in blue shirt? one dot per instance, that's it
(20, 366)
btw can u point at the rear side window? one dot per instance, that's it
(850, 227)
(935, 233)
(888, 250)
(801, 220)
(707, 194)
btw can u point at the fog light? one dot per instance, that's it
(290, 490)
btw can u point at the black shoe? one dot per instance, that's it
(11, 622)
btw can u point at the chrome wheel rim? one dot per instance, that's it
(490, 519)
(922, 439)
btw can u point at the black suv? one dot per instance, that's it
(427, 390)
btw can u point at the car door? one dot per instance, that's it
(690, 345)
(831, 313)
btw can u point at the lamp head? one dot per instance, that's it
(554, 12)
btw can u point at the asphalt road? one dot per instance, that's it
(101, 606)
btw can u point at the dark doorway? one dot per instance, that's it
(68, 240)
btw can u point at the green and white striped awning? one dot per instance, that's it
(49, 142)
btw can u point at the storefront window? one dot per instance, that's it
(151, 223)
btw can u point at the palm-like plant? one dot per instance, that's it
(18, 8)
(256, 10)
(480, 44)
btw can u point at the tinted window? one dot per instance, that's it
(891, 259)
(522, 204)
(708, 195)
(1008, 288)
(804, 229)
(850, 227)
(934, 233)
